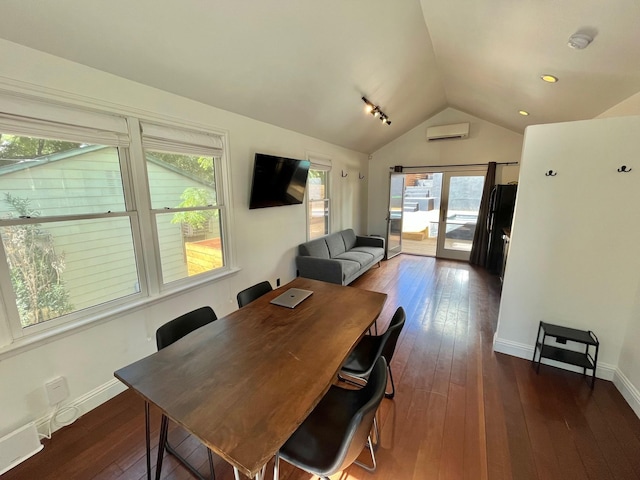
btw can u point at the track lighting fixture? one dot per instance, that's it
(375, 111)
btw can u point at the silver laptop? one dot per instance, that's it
(292, 297)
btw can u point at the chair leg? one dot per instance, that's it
(276, 467)
(373, 458)
(350, 382)
(393, 387)
(376, 432)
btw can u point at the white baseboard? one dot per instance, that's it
(521, 350)
(628, 391)
(85, 403)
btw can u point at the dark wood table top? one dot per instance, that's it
(244, 383)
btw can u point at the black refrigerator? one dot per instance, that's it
(501, 205)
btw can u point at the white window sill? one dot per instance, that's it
(29, 342)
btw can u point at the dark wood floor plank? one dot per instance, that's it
(475, 452)
(520, 448)
(461, 411)
(538, 414)
(553, 406)
(622, 422)
(453, 451)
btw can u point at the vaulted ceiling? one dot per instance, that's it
(304, 65)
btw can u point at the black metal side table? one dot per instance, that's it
(559, 354)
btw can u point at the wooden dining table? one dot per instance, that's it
(243, 383)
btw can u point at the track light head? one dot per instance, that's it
(375, 111)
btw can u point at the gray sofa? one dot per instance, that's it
(340, 257)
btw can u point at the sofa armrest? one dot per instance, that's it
(369, 241)
(324, 269)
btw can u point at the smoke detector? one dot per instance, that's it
(579, 41)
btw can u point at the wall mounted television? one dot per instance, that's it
(278, 181)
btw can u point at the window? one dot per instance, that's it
(318, 201)
(66, 232)
(75, 207)
(181, 172)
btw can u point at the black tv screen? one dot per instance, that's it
(278, 181)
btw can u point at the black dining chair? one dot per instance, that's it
(361, 360)
(333, 435)
(167, 334)
(252, 293)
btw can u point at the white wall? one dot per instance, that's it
(630, 106)
(629, 365)
(264, 241)
(573, 257)
(486, 143)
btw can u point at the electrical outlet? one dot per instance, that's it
(57, 390)
(277, 282)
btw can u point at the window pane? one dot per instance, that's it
(317, 184)
(177, 180)
(58, 268)
(53, 177)
(318, 218)
(190, 243)
(318, 203)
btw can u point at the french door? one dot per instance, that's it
(434, 213)
(394, 216)
(459, 207)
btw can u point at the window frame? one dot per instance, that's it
(319, 163)
(34, 117)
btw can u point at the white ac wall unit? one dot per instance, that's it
(448, 132)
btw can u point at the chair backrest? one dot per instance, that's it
(393, 332)
(250, 294)
(179, 327)
(368, 399)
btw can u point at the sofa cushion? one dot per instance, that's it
(374, 251)
(315, 248)
(335, 244)
(362, 258)
(349, 268)
(349, 237)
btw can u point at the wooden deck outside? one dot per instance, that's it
(203, 255)
(461, 411)
(426, 247)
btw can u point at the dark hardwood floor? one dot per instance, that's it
(461, 411)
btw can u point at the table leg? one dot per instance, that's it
(164, 427)
(147, 438)
(259, 476)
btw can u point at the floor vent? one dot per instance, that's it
(17, 446)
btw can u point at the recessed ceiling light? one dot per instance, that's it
(549, 78)
(524, 113)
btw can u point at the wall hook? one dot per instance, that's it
(361, 177)
(623, 168)
(343, 174)
(550, 173)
